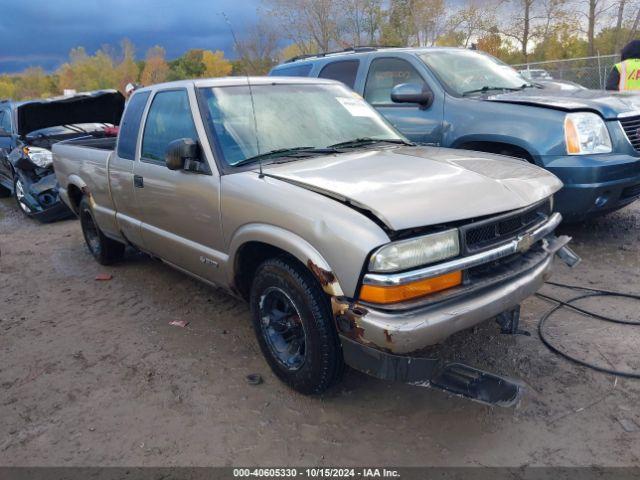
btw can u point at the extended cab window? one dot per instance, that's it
(294, 71)
(386, 73)
(344, 71)
(169, 119)
(130, 126)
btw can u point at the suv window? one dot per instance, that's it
(344, 71)
(293, 71)
(386, 73)
(169, 119)
(5, 121)
(130, 126)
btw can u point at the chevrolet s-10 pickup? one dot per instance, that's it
(351, 244)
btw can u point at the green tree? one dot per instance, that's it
(452, 38)
(34, 83)
(85, 72)
(398, 29)
(189, 65)
(215, 65)
(7, 88)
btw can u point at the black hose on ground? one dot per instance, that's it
(593, 292)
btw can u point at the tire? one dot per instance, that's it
(4, 192)
(18, 192)
(319, 364)
(105, 250)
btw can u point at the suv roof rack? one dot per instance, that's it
(358, 49)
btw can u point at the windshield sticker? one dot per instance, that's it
(356, 107)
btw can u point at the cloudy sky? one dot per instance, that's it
(41, 32)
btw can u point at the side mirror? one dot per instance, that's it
(181, 152)
(412, 93)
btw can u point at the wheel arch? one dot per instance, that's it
(76, 189)
(254, 243)
(500, 145)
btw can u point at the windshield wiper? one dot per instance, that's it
(358, 142)
(75, 128)
(286, 152)
(488, 88)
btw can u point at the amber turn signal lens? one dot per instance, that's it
(571, 136)
(408, 291)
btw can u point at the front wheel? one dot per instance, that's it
(105, 250)
(20, 197)
(294, 326)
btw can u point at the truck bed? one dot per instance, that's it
(104, 143)
(87, 159)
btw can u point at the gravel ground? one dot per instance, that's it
(91, 373)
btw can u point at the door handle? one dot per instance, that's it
(138, 181)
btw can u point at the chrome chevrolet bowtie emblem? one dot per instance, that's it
(525, 242)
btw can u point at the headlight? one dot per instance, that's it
(414, 252)
(40, 156)
(586, 132)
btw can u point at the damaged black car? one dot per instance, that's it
(28, 130)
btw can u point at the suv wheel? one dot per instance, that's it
(105, 250)
(294, 326)
(19, 195)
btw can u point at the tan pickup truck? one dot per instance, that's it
(351, 244)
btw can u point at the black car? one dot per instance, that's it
(27, 132)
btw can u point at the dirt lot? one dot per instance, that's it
(91, 373)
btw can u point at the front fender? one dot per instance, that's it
(539, 131)
(496, 138)
(290, 243)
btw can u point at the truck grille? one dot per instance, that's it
(631, 126)
(494, 231)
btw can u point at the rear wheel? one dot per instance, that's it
(105, 250)
(19, 195)
(294, 326)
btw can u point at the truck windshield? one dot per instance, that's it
(308, 118)
(466, 71)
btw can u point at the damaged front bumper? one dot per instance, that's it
(512, 272)
(379, 341)
(403, 332)
(42, 199)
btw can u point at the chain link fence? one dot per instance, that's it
(590, 72)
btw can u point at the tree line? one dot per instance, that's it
(112, 67)
(516, 31)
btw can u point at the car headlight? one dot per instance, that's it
(586, 132)
(42, 157)
(414, 252)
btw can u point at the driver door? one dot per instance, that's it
(180, 210)
(420, 125)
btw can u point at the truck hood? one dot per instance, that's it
(102, 106)
(608, 104)
(408, 187)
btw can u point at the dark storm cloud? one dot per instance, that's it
(41, 32)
